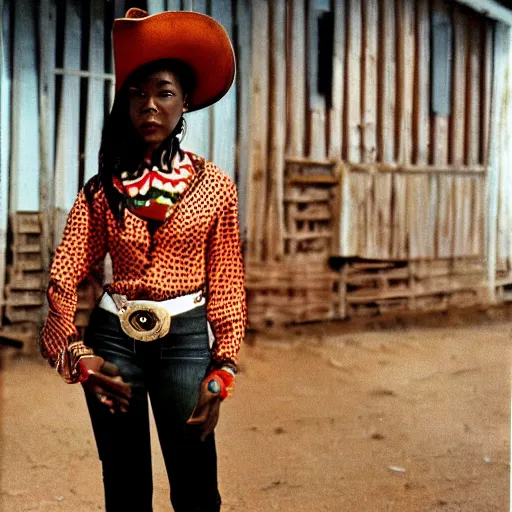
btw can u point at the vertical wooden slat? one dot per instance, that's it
(487, 72)
(155, 6)
(353, 70)
(338, 89)
(352, 121)
(95, 91)
(296, 99)
(386, 123)
(257, 206)
(474, 130)
(24, 193)
(244, 82)
(317, 142)
(223, 138)
(369, 81)
(5, 93)
(336, 126)
(173, 5)
(405, 74)
(297, 84)
(500, 159)
(66, 160)
(47, 43)
(440, 132)
(369, 119)
(457, 128)
(420, 229)
(197, 138)
(277, 102)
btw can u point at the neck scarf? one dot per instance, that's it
(154, 188)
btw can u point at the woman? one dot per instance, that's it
(170, 324)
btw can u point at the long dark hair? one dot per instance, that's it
(122, 148)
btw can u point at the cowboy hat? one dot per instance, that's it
(191, 37)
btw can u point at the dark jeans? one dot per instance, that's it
(170, 371)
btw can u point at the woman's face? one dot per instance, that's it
(156, 105)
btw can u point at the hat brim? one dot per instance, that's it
(191, 37)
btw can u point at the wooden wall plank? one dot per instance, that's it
(223, 136)
(154, 6)
(66, 159)
(336, 115)
(244, 84)
(369, 81)
(440, 134)
(5, 95)
(317, 115)
(296, 96)
(486, 117)
(353, 70)
(258, 204)
(457, 128)
(24, 189)
(500, 216)
(95, 92)
(356, 239)
(197, 138)
(277, 103)
(296, 82)
(47, 45)
(405, 74)
(386, 124)
(473, 130)
(369, 119)
(421, 228)
(173, 5)
(338, 80)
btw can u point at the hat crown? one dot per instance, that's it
(136, 13)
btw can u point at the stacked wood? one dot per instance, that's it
(24, 297)
(283, 293)
(310, 206)
(374, 287)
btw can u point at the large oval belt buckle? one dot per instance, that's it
(145, 323)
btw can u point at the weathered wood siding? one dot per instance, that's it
(412, 183)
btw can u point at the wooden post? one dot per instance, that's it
(244, 85)
(369, 119)
(66, 159)
(223, 136)
(421, 227)
(277, 103)
(500, 115)
(95, 90)
(258, 204)
(457, 129)
(197, 138)
(444, 223)
(386, 122)
(24, 189)
(47, 32)
(155, 6)
(5, 93)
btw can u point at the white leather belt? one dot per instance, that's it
(148, 320)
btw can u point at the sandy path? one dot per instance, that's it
(416, 420)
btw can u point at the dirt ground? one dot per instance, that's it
(323, 419)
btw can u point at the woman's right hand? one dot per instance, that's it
(103, 379)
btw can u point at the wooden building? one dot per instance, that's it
(369, 140)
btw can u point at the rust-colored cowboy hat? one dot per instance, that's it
(191, 37)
